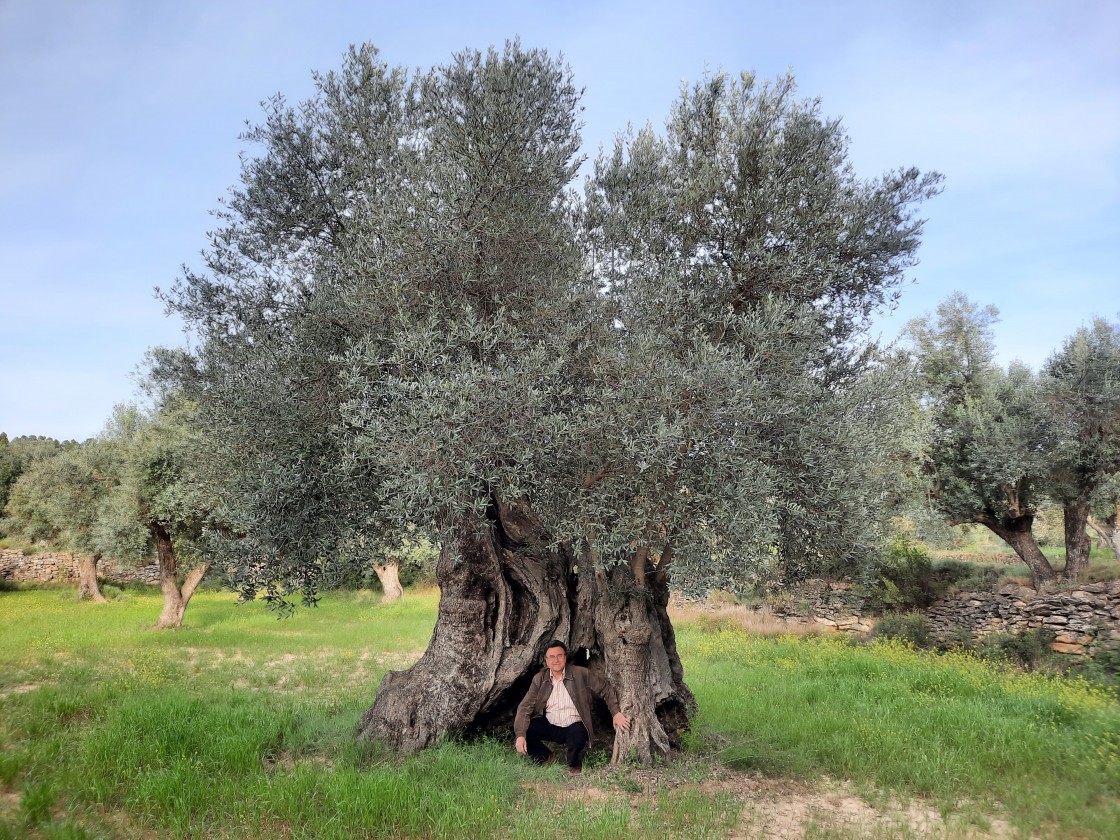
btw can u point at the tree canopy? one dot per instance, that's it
(409, 317)
(1005, 442)
(408, 311)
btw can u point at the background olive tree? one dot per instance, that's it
(1003, 443)
(1081, 388)
(58, 497)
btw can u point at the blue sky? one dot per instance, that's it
(119, 124)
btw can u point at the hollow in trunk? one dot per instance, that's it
(505, 594)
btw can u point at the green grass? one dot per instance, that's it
(240, 725)
(945, 726)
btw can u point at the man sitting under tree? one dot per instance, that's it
(557, 708)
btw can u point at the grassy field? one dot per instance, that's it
(240, 725)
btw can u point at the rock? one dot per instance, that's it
(1065, 647)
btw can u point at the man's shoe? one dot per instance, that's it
(575, 771)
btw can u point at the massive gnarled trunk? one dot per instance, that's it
(1075, 516)
(87, 579)
(504, 596)
(389, 576)
(175, 598)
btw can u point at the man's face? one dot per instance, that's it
(556, 659)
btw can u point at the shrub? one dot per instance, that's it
(909, 627)
(1028, 650)
(905, 579)
(967, 576)
(1103, 668)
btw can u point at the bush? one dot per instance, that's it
(967, 576)
(905, 579)
(1028, 650)
(909, 627)
(1103, 668)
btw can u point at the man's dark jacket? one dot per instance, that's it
(580, 683)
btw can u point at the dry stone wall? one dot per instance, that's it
(62, 567)
(1082, 618)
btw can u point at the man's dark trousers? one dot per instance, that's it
(540, 730)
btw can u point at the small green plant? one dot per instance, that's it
(905, 579)
(1102, 668)
(36, 803)
(912, 628)
(959, 638)
(1028, 650)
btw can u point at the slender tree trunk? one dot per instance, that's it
(1108, 532)
(1075, 516)
(87, 578)
(175, 599)
(1017, 532)
(504, 596)
(389, 575)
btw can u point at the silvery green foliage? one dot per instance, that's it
(743, 232)
(991, 446)
(1081, 388)
(99, 497)
(408, 316)
(53, 493)
(156, 482)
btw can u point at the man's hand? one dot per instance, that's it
(521, 746)
(620, 722)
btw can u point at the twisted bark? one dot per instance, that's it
(1018, 533)
(504, 596)
(87, 579)
(175, 598)
(389, 576)
(1075, 517)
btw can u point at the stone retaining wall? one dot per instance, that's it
(833, 604)
(1083, 618)
(62, 567)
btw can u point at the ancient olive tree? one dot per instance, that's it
(1081, 387)
(409, 317)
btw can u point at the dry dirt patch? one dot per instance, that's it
(18, 689)
(776, 809)
(790, 811)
